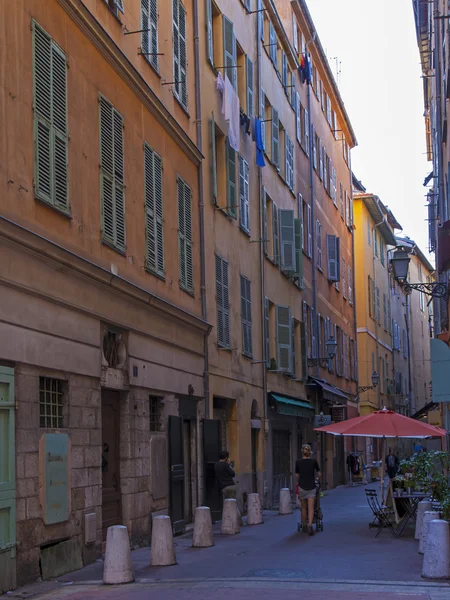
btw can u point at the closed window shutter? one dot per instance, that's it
(262, 109)
(246, 315)
(293, 357)
(334, 187)
(244, 215)
(275, 234)
(284, 338)
(303, 349)
(275, 138)
(287, 240)
(149, 21)
(250, 88)
(209, 31)
(112, 175)
(266, 331)
(319, 336)
(374, 304)
(325, 172)
(308, 209)
(344, 287)
(298, 228)
(312, 329)
(185, 235)
(231, 180)
(229, 51)
(154, 212)
(264, 233)
(378, 306)
(306, 132)
(261, 19)
(314, 142)
(320, 152)
(179, 52)
(289, 153)
(341, 197)
(284, 69)
(305, 321)
(273, 44)
(293, 92)
(213, 159)
(389, 316)
(295, 32)
(298, 119)
(332, 258)
(50, 120)
(119, 4)
(319, 244)
(222, 302)
(350, 285)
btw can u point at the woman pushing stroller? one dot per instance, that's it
(307, 470)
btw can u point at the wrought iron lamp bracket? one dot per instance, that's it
(434, 289)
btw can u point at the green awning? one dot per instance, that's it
(292, 407)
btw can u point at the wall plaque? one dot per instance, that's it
(54, 477)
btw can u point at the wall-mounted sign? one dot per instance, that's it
(321, 420)
(54, 477)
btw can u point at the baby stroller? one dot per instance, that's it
(318, 515)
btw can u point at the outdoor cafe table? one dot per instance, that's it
(409, 504)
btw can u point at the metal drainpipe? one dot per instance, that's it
(201, 204)
(408, 342)
(261, 255)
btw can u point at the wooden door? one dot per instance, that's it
(176, 474)
(212, 446)
(7, 482)
(111, 496)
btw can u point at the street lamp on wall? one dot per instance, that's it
(331, 348)
(400, 265)
(375, 379)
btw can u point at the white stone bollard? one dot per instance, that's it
(162, 547)
(254, 510)
(203, 531)
(285, 502)
(230, 517)
(428, 516)
(118, 567)
(423, 506)
(436, 560)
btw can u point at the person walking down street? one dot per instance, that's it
(392, 464)
(225, 478)
(307, 469)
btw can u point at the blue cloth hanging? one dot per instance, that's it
(259, 144)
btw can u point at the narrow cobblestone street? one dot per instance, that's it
(346, 561)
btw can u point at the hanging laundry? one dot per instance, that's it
(231, 112)
(259, 144)
(305, 68)
(245, 122)
(220, 84)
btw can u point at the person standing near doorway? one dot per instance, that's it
(307, 469)
(392, 464)
(225, 478)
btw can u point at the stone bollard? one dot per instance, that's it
(285, 502)
(436, 560)
(117, 567)
(423, 506)
(254, 510)
(230, 517)
(203, 531)
(162, 547)
(428, 516)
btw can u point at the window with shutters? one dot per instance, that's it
(287, 240)
(306, 131)
(344, 287)
(307, 229)
(116, 6)
(112, 188)
(231, 160)
(284, 70)
(275, 234)
(179, 53)
(385, 312)
(284, 338)
(319, 244)
(222, 302)
(298, 229)
(244, 195)
(50, 121)
(149, 26)
(334, 186)
(246, 317)
(333, 258)
(295, 330)
(250, 82)
(375, 241)
(185, 236)
(298, 118)
(275, 156)
(218, 154)
(377, 293)
(267, 356)
(209, 32)
(350, 285)
(273, 45)
(370, 290)
(289, 152)
(295, 32)
(325, 169)
(154, 227)
(316, 146)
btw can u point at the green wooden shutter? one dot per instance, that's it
(284, 69)
(306, 125)
(214, 159)
(264, 232)
(298, 117)
(293, 356)
(273, 44)
(246, 316)
(179, 52)
(275, 138)
(119, 181)
(261, 19)
(209, 33)
(145, 24)
(50, 120)
(229, 51)
(298, 228)
(222, 303)
(185, 235)
(262, 109)
(275, 234)
(231, 180)
(266, 332)
(154, 212)
(188, 221)
(304, 350)
(287, 240)
(250, 92)
(244, 212)
(332, 258)
(284, 338)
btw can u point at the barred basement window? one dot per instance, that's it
(155, 411)
(51, 392)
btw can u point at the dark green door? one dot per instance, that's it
(176, 474)
(7, 482)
